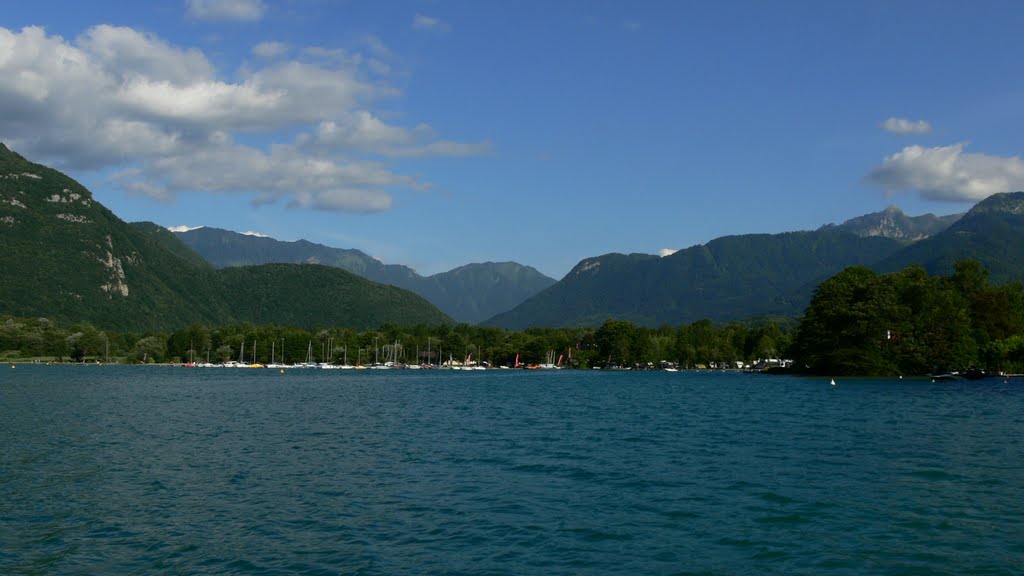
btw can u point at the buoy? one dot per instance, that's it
(12, 366)
(833, 381)
(282, 371)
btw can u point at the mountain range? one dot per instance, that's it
(729, 278)
(755, 275)
(992, 233)
(67, 257)
(470, 293)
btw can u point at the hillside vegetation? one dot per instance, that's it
(70, 259)
(469, 293)
(730, 278)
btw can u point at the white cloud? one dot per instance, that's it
(184, 228)
(164, 119)
(87, 126)
(209, 103)
(422, 22)
(667, 252)
(270, 49)
(343, 200)
(948, 173)
(256, 234)
(125, 53)
(361, 130)
(150, 190)
(283, 174)
(222, 10)
(905, 126)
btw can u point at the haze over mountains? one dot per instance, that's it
(69, 258)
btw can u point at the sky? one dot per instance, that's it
(435, 133)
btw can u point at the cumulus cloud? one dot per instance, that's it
(226, 10)
(270, 49)
(667, 252)
(905, 126)
(149, 190)
(361, 130)
(422, 22)
(948, 173)
(164, 120)
(126, 52)
(284, 173)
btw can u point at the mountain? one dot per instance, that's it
(729, 278)
(224, 249)
(311, 295)
(170, 242)
(992, 232)
(69, 258)
(747, 276)
(893, 223)
(468, 294)
(476, 292)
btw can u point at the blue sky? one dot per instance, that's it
(436, 133)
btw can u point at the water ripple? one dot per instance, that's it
(160, 470)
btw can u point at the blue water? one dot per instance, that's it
(162, 470)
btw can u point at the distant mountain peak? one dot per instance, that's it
(893, 223)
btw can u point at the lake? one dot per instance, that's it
(169, 470)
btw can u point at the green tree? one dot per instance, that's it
(615, 341)
(85, 341)
(843, 329)
(149, 350)
(224, 353)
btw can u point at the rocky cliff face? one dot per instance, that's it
(895, 224)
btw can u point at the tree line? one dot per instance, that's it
(907, 322)
(617, 343)
(858, 322)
